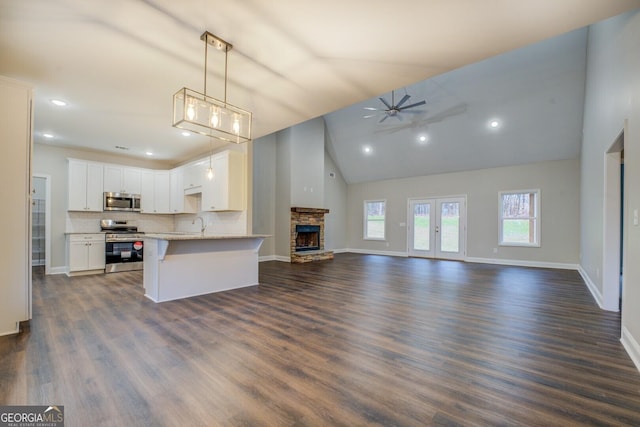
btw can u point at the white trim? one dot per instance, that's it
(58, 270)
(595, 292)
(373, 252)
(523, 263)
(17, 330)
(339, 251)
(631, 346)
(266, 258)
(282, 258)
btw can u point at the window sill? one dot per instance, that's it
(520, 245)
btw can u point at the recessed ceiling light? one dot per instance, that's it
(423, 139)
(47, 135)
(149, 153)
(367, 149)
(185, 133)
(494, 124)
(58, 102)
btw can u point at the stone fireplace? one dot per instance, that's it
(307, 235)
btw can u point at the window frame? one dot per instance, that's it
(365, 236)
(536, 218)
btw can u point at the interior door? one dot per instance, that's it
(437, 228)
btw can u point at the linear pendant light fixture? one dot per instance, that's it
(199, 113)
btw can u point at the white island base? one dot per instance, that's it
(185, 265)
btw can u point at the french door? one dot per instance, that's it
(436, 228)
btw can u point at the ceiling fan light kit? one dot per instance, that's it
(199, 113)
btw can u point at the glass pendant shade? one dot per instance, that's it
(199, 113)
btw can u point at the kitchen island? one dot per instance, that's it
(182, 265)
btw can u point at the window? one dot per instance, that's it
(374, 214)
(520, 218)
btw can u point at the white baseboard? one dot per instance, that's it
(523, 263)
(11, 331)
(372, 252)
(266, 258)
(595, 292)
(340, 251)
(632, 347)
(58, 270)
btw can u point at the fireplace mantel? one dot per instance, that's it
(308, 216)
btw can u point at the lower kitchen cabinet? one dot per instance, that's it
(86, 253)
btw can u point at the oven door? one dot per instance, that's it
(123, 255)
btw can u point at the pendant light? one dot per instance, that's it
(200, 113)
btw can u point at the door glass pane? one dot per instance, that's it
(449, 227)
(421, 223)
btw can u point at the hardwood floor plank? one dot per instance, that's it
(360, 340)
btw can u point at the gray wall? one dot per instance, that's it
(283, 165)
(307, 164)
(559, 184)
(264, 185)
(613, 96)
(335, 197)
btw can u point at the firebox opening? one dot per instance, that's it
(307, 238)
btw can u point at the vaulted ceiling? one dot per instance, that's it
(118, 63)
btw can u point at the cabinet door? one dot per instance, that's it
(95, 187)
(113, 178)
(226, 191)
(95, 255)
(194, 174)
(78, 256)
(77, 190)
(147, 192)
(132, 180)
(177, 191)
(162, 196)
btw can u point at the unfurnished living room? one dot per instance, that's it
(290, 213)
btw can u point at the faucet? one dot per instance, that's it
(202, 228)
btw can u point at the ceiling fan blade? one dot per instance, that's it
(413, 105)
(385, 103)
(403, 100)
(384, 118)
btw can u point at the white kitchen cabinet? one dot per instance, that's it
(180, 203)
(155, 197)
(86, 252)
(226, 190)
(122, 179)
(15, 169)
(194, 176)
(85, 191)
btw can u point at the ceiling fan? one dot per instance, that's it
(392, 109)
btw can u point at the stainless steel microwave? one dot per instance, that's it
(121, 202)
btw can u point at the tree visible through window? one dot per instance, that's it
(519, 218)
(374, 215)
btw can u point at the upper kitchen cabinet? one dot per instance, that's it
(15, 168)
(85, 186)
(180, 203)
(122, 179)
(226, 190)
(155, 195)
(193, 175)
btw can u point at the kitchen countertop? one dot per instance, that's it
(199, 236)
(85, 232)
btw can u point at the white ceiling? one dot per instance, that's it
(118, 63)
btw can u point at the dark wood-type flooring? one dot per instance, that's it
(360, 340)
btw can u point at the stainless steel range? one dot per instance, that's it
(124, 245)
